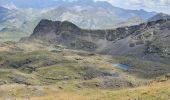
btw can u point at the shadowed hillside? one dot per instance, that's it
(147, 40)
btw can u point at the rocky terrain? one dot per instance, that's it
(146, 41)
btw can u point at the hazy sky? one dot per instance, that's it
(150, 5)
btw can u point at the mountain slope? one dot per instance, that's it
(159, 17)
(17, 23)
(147, 40)
(84, 13)
(94, 15)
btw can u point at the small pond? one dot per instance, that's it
(121, 66)
(115, 74)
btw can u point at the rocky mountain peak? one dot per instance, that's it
(45, 26)
(68, 25)
(52, 28)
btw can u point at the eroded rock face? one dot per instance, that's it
(111, 41)
(44, 27)
(62, 28)
(68, 34)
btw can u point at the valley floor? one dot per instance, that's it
(40, 72)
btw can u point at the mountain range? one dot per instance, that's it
(148, 40)
(21, 16)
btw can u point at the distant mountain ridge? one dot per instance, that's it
(159, 16)
(84, 13)
(85, 4)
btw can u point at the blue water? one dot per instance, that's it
(121, 66)
(115, 74)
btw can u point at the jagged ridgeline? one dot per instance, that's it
(150, 37)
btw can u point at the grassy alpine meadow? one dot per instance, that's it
(64, 74)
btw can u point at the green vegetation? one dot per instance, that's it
(44, 74)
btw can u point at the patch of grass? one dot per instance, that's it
(156, 91)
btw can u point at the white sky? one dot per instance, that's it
(149, 5)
